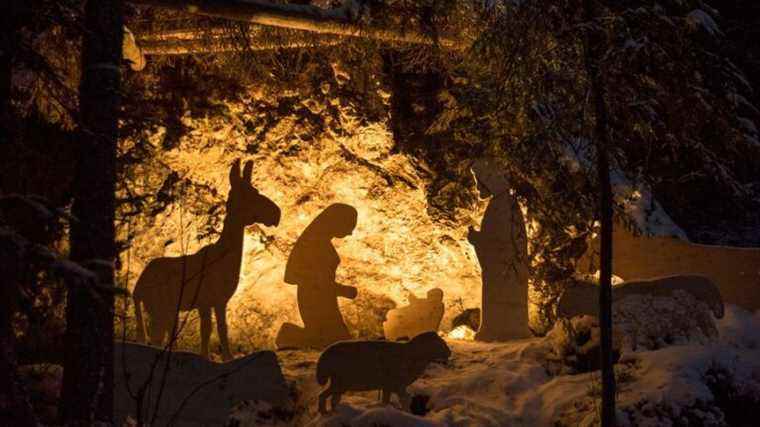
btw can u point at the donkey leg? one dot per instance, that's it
(205, 314)
(220, 311)
(157, 327)
(140, 323)
(172, 330)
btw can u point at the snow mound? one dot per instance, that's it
(508, 384)
(740, 328)
(373, 417)
(648, 322)
(682, 384)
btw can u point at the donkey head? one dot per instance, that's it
(246, 203)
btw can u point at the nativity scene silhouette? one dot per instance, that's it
(207, 279)
(312, 266)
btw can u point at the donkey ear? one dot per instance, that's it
(247, 171)
(235, 173)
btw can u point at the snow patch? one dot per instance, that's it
(378, 416)
(486, 384)
(641, 207)
(699, 18)
(649, 322)
(636, 199)
(740, 328)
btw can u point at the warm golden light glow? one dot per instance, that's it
(395, 251)
(461, 332)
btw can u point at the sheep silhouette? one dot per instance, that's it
(583, 298)
(736, 271)
(377, 365)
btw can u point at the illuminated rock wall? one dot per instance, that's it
(395, 251)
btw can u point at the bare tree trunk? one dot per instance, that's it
(593, 50)
(300, 17)
(87, 393)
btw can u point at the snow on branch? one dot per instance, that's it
(634, 198)
(699, 18)
(342, 21)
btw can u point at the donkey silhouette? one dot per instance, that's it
(208, 278)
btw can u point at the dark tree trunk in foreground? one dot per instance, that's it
(15, 409)
(87, 393)
(7, 46)
(594, 49)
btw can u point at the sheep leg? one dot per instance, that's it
(323, 400)
(205, 314)
(404, 399)
(221, 327)
(386, 396)
(335, 400)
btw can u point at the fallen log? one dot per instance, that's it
(185, 42)
(342, 21)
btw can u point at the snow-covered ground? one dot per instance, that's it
(508, 384)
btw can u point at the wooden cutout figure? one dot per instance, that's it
(377, 365)
(583, 297)
(502, 249)
(311, 266)
(736, 271)
(207, 279)
(421, 315)
(192, 390)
